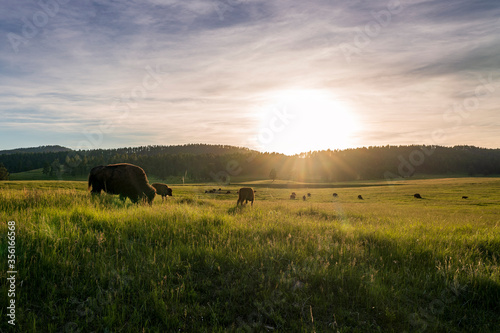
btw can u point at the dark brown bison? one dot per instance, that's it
(417, 195)
(245, 194)
(293, 196)
(309, 195)
(335, 195)
(163, 190)
(465, 197)
(360, 197)
(126, 180)
(304, 198)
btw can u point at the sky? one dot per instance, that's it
(285, 76)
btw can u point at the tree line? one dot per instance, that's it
(220, 163)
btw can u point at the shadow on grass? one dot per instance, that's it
(194, 202)
(239, 209)
(315, 185)
(317, 213)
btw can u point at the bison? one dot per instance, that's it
(417, 195)
(126, 180)
(465, 197)
(304, 198)
(335, 195)
(245, 194)
(163, 190)
(360, 197)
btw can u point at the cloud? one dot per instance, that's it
(218, 62)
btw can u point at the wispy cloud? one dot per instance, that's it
(71, 68)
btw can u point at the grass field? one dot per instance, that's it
(197, 263)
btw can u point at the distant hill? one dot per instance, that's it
(203, 162)
(51, 158)
(40, 149)
(195, 149)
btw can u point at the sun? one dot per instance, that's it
(296, 121)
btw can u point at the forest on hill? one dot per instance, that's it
(201, 162)
(40, 149)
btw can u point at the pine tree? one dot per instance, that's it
(273, 174)
(4, 174)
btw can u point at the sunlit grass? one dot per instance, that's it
(197, 262)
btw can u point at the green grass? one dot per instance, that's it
(198, 263)
(37, 174)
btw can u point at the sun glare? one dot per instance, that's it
(298, 121)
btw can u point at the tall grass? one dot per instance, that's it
(197, 263)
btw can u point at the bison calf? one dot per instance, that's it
(163, 190)
(245, 194)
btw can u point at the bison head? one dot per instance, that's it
(150, 195)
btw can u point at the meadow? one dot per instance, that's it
(198, 263)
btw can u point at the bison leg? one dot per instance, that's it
(95, 191)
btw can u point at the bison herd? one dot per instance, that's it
(294, 195)
(126, 180)
(130, 181)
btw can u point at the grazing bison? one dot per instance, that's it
(417, 195)
(163, 190)
(245, 194)
(465, 197)
(304, 198)
(127, 180)
(335, 195)
(293, 195)
(309, 195)
(229, 192)
(360, 197)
